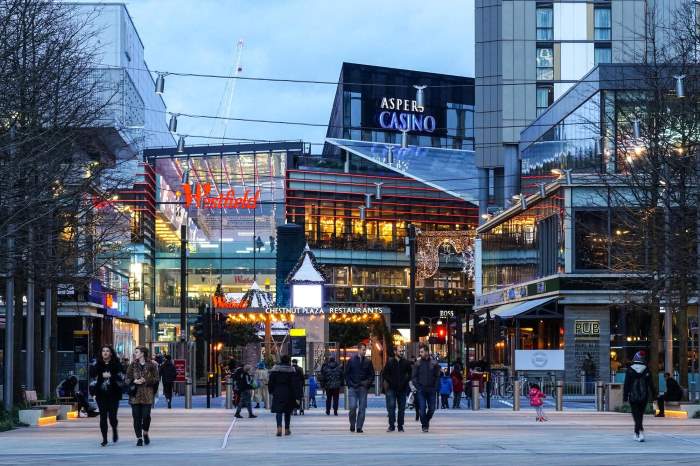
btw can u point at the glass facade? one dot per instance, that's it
(573, 143)
(375, 103)
(602, 23)
(528, 246)
(229, 200)
(545, 63)
(545, 23)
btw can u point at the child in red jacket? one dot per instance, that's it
(536, 400)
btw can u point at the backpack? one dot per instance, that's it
(639, 392)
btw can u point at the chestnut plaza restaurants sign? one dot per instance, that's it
(326, 310)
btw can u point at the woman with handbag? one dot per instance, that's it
(141, 375)
(108, 383)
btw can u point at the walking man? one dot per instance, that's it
(426, 379)
(358, 375)
(396, 375)
(638, 390)
(332, 376)
(168, 375)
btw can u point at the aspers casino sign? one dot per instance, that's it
(405, 115)
(200, 196)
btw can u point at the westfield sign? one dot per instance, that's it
(200, 196)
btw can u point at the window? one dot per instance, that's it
(602, 54)
(545, 97)
(545, 63)
(352, 111)
(545, 23)
(602, 24)
(591, 239)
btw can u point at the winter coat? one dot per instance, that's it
(168, 372)
(638, 375)
(674, 392)
(397, 374)
(244, 381)
(144, 392)
(445, 385)
(536, 396)
(359, 372)
(332, 376)
(313, 386)
(457, 382)
(426, 375)
(286, 387)
(108, 389)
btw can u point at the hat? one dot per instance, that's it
(640, 356)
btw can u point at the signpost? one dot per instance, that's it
(180, 370)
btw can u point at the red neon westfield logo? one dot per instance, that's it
(199, 195)
(221, 302)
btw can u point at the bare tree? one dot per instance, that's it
(59, 167)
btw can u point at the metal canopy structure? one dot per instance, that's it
(450, 170)
(524, 308)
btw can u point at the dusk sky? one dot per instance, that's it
(304, 39)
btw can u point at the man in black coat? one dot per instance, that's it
(332, 375)
(638, 390)
(396, 374)
(674, 392)
(426, 379)
(358, 376)
(168, 375)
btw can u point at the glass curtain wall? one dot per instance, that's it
(231, 226)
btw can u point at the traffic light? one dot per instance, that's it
(440, 335)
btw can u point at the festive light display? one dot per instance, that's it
(428, 248)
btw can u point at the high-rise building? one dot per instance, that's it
(529, 54)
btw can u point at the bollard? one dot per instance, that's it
(560, 395)
(345, 398)
(475, 396)
(229, 393)
(377, 383)
(516, 395)
(188, 393)
(599, 391)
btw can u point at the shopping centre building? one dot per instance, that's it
(555, 268)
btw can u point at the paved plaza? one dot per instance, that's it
(494, 437)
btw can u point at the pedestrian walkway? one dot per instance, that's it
(213, 436)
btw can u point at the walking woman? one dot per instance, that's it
(109, 380)
(286, 389)
(141, 376)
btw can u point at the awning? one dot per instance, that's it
(508, 311)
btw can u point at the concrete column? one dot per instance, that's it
(511, 169)
(483, 192)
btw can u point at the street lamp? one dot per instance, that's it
(172, 124)
(181, 145)
(160, 83)
(378, 195)
(680, 90)
(368, 200)
(404, 138)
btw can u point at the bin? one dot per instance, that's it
(613, 396)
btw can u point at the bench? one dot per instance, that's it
(680, 409)
(31, 399)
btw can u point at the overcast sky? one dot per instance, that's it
(299, 39)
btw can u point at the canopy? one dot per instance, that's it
(511, 310)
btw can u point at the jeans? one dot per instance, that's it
(312, 401)
(357, 401)
(168, 391)
(457, 396)
(332, 394)
(426, 407)
(108, 409)
(394, 397)
(287, 419)
(638, 416)
(142, 418)
(445, 400)
(246, 396)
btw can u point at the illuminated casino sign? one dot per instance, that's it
(405, 115)
(200, 196)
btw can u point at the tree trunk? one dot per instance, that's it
(654, 330)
